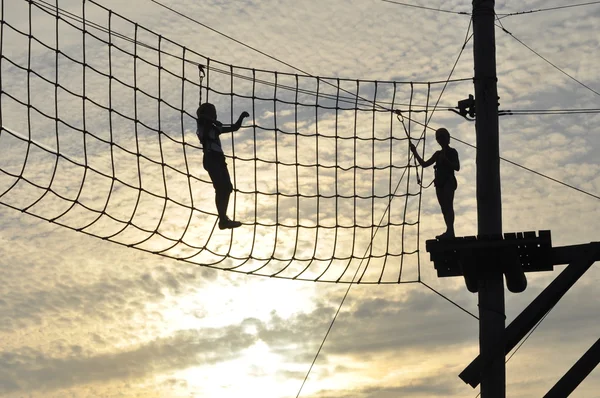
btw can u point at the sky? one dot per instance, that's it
(82, 316)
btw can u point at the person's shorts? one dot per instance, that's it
(214, 163)
(442, 183)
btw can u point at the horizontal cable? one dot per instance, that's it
(515, 112)
(504, 15)
(427, 8)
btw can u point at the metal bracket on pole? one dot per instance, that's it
(466, 107)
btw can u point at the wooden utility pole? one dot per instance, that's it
(489, 205)
(485, 259)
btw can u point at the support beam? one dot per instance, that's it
(535, 311)
(489, 202)
(568, 254)
(577, 373)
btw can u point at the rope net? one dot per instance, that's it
(98, 136)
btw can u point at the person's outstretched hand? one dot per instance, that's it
(244, 115)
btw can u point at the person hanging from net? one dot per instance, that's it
(209, 130)
(446, 163)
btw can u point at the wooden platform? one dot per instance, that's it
(512, 253)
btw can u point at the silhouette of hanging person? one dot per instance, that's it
(209, 130)
(446, 163)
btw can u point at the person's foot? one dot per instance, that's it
(445, 235)
(226, 223)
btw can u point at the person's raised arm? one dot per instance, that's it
(236, 126)
(423, 163)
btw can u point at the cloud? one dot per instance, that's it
(375, 325)
(105, 300)
(27, 369)
(435, 386)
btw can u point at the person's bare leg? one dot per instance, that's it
(448, 210)
(445, 196)
(222, 200)
(440, 197)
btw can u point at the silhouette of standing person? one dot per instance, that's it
(446, 163)
(209, 130)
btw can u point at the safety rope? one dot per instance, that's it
(416, 163)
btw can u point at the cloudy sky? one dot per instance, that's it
(82, 316)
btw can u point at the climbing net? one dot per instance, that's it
(98, 135)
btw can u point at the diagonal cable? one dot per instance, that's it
(546, 60)
(253, 48)
(373, 237)
(449, 300)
